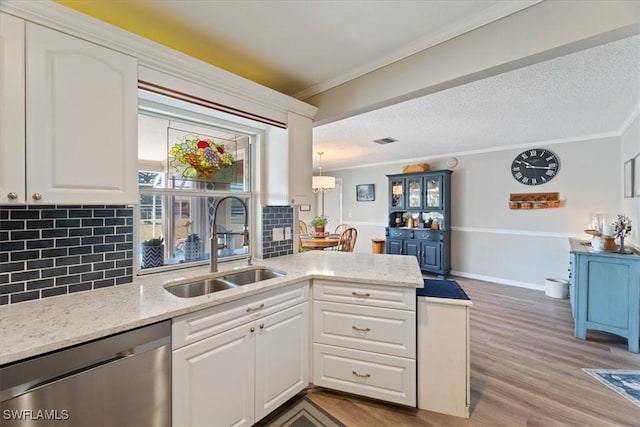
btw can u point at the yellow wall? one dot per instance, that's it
(143, 18)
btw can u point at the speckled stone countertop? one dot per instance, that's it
(31, 328)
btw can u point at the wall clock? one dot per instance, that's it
(535, 166)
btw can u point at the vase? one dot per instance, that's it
(192, 251)
(621, 249)
(152, 256)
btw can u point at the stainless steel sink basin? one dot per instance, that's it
(222, 282)
(252, 276)
(201, 287)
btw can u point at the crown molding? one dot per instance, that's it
(157, 57)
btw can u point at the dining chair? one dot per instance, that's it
(347, 240)
(302, 227)
(340, 228)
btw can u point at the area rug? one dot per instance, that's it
(304, 413)
(626, 383)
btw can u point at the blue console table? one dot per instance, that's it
(605, 292)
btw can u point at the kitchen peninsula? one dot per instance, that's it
(375, 292)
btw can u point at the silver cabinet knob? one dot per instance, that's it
(252, 329)
(261, 325)
(37, 196)
(12, 196)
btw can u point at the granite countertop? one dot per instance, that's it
(31, 328)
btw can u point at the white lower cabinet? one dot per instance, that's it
(236, 376)
(361, 347)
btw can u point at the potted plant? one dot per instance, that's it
(153, 252)
(319, 222)
(192, 248)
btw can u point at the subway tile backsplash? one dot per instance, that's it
(272, 217)
(52, 250)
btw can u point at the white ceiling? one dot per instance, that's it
(317, 45)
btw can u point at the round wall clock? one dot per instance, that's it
(535, 166)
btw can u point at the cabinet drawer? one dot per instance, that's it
(434, 236)
(381, 330)
(196, 326)
(399, 233)
(383, 377)
(364, 294)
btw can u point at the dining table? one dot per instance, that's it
(319, 243)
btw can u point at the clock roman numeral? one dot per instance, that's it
(534, 181)
(518, 175)
(551, 172)
(524, 156)
(525, 179)
(533, 153)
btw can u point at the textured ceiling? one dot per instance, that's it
(587, 93)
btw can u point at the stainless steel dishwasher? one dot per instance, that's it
(120, 380)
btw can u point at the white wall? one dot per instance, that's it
(491, 241)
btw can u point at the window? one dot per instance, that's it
(188, 161)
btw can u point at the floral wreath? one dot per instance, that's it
(203, 157)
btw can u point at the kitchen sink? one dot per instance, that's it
(221, 282)
(252, 276)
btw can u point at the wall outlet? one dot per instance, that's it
(287, 233)
(278, 234)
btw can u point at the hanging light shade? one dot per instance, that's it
(321, 183)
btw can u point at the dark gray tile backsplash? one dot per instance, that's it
(53, 250)
(273, 217)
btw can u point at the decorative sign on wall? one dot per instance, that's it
(534, 200)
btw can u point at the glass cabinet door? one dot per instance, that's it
(397, 194)
(414, 193)
(434, 192)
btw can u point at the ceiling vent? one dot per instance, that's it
(387, 140)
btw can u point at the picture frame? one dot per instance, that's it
(305, 208)
(365, 192)
(629, 178)
(635, 182)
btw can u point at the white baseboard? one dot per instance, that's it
(499, 280)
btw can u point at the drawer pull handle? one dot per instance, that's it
(355, 328)
(358, 294)
(360, 375)
(250, 309)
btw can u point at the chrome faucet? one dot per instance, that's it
(214, 233)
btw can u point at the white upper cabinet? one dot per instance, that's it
(73, 137)
(289, 163)
(81, 120)
(12, 138)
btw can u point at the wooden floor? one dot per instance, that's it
(525, 370)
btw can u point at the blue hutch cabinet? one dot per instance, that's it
(426, 197)
(605, 293)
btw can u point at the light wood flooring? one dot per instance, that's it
(525, 370)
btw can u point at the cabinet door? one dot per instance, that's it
(430, 256)
(12, 136)
(394, 246)
(414, 193)
(282, 358)
(412, 247)
(213, 380)
(433, 192)
(396, 193)
(81, 118)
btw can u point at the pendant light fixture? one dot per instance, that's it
(320, 183)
